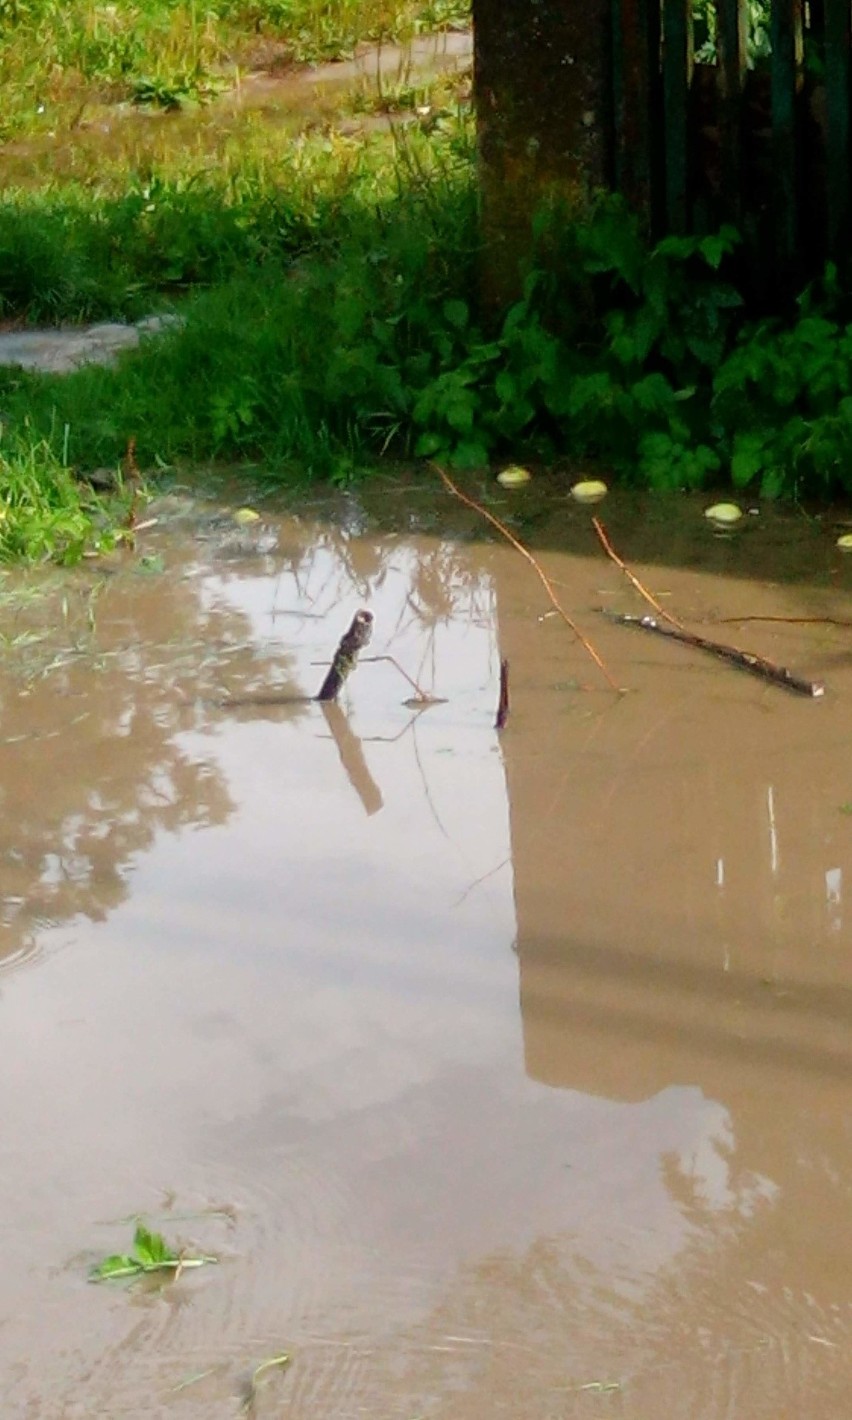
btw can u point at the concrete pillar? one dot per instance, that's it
(542, 84)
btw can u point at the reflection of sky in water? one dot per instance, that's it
(317, 1007)
(309, 964)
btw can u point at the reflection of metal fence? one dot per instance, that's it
(760, 139)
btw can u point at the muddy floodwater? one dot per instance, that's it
(505, 1075)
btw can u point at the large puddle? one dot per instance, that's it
(506, 1075)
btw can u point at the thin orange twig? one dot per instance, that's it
(542, 576)
(631, 577)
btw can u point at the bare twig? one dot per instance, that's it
(743, 660)
(542, 576)
(420, 695)
(503, 702)
(492, 872)
(631, 577)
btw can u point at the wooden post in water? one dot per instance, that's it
(346, 655)
(543, 84)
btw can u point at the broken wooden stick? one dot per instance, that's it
(346, 655)
(631, 576)
(503, 702)
(743, 660)
(542, 576)
(782, 620)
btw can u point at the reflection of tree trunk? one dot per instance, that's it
(352, 758)
(678, 868)
(503, 702)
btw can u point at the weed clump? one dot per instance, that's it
(46, 514)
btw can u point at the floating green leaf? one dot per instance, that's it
(151, 1253)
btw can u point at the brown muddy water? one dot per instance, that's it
(506, 1076)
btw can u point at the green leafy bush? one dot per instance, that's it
(334, 316)
(645, 361)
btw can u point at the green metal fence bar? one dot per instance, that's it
(636, 38)
(693, 146)
(677, 80)
(816, 18)
(731, 38)
(838, 41)
(786, 60)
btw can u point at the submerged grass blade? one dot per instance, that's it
(279, 1363)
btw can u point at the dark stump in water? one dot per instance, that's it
(346, 655)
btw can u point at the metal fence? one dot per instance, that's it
(739, 111)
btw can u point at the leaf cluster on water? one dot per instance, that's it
(151, 1253)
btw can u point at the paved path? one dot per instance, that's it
(59, 350)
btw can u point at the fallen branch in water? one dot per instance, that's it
(783, 620)
(743, 660)
(503, 702)
(542, 576)
(631, 576)
(346, 655)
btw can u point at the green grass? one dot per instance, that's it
(46, 514)
(326, 272)
(370, 342)
(254, 224)
(310, 343)
(107, 248)
(58, 54)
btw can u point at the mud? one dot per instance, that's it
(507, 1075)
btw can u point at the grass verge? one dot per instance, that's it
(59, 53)
(371, 343)
(327, 283)
(46, 514)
